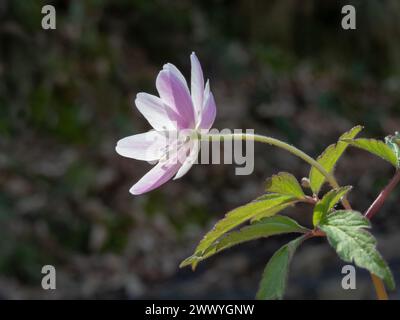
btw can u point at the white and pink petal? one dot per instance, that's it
(166, 168)
(158, 114)
(197, 85)
(157, 176)
(148, 146)
(209, 111)
(175, 93)
(191, 155)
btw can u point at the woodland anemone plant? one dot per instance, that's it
(189, 114)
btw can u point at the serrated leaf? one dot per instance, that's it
(376, 147)
(273, 211)
(346, 233)
(261, 229)
(286, 184)
(329, 158)
(266, 205)
(274, 278)
(328, 201)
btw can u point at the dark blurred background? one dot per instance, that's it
(284, 68)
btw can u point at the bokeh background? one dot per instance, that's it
(284, 68)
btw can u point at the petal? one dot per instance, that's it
(174, 92)
(206, 92)
(148, 146)
(209, 111)
(157, 176)
(172, 68)
(197, 85)
(158, 114)
(193, 148)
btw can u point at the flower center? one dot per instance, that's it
(174, 146)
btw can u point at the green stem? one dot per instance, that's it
(378, 284)
(277, 143)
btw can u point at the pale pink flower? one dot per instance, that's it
(177, 116)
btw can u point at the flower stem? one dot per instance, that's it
(378, 283)
(277, 143)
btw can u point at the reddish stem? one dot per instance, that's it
(372, 210)
(369, 214)
(309, 199)
(314, 233)
(380, 200)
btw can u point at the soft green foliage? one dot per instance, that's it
(283, 190)
(273, 282)
(346, 233)
(345, 229)
(286, 184)
(376, 147)
(327, 203)
(329, 158)
(261, 229)
(393, 143)
(266, 205)
(271, 212)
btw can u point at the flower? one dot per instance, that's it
(177, 116)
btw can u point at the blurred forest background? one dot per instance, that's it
(284, 68)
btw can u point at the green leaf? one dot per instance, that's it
(273, 211)
(264, 228)
(393, 143)
(327, 203)
(266, 205)
(274, 278)
(286, 184)
(329, 158)
(346, 233)
(376, 147)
